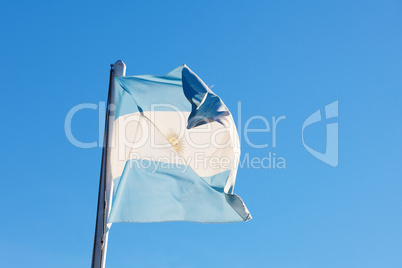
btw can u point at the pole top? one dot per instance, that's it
(119, 68)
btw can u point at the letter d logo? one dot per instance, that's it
(331, 152)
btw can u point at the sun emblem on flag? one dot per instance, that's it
(176, 142)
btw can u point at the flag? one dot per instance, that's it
(174, 151)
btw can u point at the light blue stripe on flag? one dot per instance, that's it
(150, 90)
(153, 192)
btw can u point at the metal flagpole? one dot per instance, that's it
(105, 183)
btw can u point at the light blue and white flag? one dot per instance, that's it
(174, 152)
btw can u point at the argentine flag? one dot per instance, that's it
(174, 151)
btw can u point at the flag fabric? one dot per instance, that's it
(174, 151)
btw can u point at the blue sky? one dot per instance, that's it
(277, 58)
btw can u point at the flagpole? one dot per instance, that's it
(105, 183)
